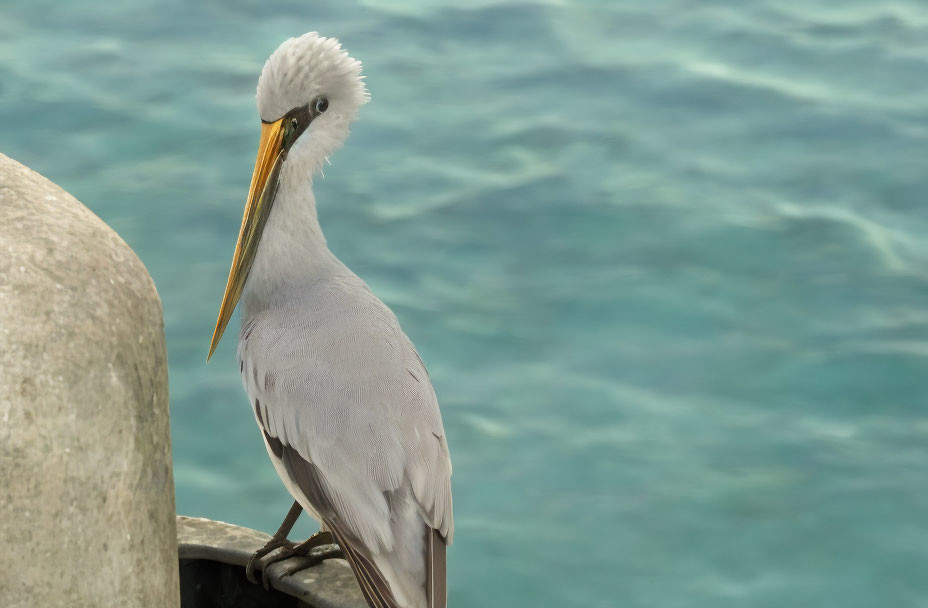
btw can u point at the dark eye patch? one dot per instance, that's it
(295, 122)
(298, 119)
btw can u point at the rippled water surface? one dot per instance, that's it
(666, 262)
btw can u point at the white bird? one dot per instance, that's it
(344, 403)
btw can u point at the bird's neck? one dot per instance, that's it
(292, 253)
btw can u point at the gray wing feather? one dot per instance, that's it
(374, 586)
(340, 384)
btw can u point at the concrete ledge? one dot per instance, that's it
(330, 584)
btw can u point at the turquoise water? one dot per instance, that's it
(666, 263)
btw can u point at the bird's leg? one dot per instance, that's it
(305, 551)
(278, 540)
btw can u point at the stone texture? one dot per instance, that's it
(87, 499)
(330, 584)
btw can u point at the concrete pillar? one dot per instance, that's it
(86, 489)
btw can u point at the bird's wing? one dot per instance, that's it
(339, 386)
(374, 585)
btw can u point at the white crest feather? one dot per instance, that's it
(307, 67)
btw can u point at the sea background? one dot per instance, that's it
(666, 262)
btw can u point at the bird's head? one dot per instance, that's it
(309, 92)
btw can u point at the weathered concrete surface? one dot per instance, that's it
(330, 584)
(86, 490)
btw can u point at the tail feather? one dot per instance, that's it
(435, 581)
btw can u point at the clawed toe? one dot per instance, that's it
(314, 558)
(255, 559)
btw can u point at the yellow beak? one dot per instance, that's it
(261, 194)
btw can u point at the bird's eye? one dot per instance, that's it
(321, 105)
(294, 123)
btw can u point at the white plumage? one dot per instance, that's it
(348, 413)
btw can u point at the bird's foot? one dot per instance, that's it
(288, 550)
(276, 542)
(314, 558)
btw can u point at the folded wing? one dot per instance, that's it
(353, 427)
